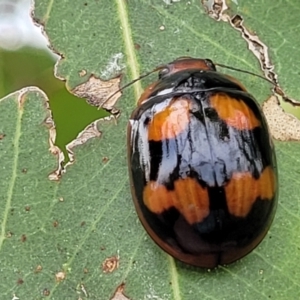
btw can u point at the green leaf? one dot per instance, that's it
(55, 236)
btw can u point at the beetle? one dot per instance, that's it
(202, 165)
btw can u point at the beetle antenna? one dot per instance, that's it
(247, 72)
(133, 81)
(161, 66)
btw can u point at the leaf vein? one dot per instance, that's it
(13, 177)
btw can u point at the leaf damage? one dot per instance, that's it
(219, 11)
(90, 132)
(98, 92)
(49, 123)
(283, 126)
(83, 290)
(119, 293)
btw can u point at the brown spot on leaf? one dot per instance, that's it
(60, 276)
(9, 234)
(55, 224)
(38, 269)
(2, 136)
(105, 159)
(119, 293)
(110, 264)
(137, 46)
(97, 92)
(20, 281)
(46, 292)
(23, 238)
(85, 270)
(82, 223)
(24, 170)
(283, 126)
(82, 73)
(27, 208)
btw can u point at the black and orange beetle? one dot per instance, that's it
(202, 165)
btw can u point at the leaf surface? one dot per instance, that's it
(73, 225)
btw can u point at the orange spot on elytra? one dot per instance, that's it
(242, 191)
(171, 121)
(188, 197)
(234, 112)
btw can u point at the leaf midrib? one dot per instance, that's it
(134, 70)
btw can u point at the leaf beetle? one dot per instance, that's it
(202, 164)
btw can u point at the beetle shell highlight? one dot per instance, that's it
(202, 165)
